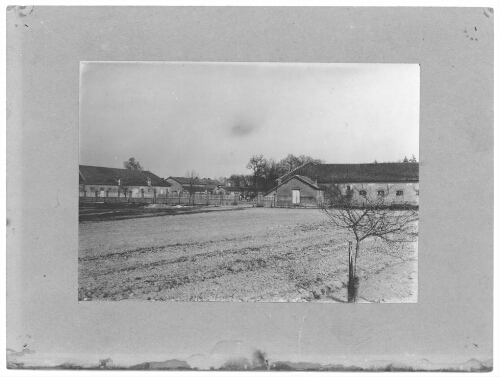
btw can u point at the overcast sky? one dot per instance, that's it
(212, 117)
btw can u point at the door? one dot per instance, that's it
(296, 196)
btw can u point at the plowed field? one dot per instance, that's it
(255, 254)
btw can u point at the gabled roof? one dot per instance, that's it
(241, 189)
(375, 172)
(196, 181)
(97, 175)
(301, 178)
(231, 188)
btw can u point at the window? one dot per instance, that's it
(91, 189)
(362, 192)
(399, 193)
(348, 188)
(380, 192)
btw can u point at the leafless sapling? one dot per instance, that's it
(193, 184)
(365, 216)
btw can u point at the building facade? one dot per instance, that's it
(97, 181)
(297, 191)
(311, 183)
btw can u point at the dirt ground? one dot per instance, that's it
(255, 254)
(111, 212)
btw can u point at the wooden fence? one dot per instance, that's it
(200, 199)
(171, 199)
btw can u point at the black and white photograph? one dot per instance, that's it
(260, 188)
(248, 182)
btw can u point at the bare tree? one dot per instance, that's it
(123, 186)
(222, 180)
(270, 173)
(236, 180)
(132, 164)
(367, 216)
(193, 184)
(257, 164)
(303, 159)
(291, 162)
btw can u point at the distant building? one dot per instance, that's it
(193, 185)
(97, 181)
(398, 183)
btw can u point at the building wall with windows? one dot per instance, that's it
(111, 191)
(395, 183)
(391, 192)
(98, 181)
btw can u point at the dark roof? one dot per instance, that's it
(231, 188)
(196, 182)
(374, 172)
(305, 180)
(97, 175)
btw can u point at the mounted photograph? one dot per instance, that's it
(248, 182)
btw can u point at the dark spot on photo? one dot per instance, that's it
(242, 129)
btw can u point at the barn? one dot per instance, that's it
(193, 185)
(97, 181)
(397, 183)
(297, 190)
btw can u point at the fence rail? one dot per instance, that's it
(172, 199)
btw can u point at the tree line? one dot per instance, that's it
(266, 171)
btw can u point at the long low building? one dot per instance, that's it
(193, 185)
(309, 184)
(97, 181)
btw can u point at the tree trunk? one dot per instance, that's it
(352, 284)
